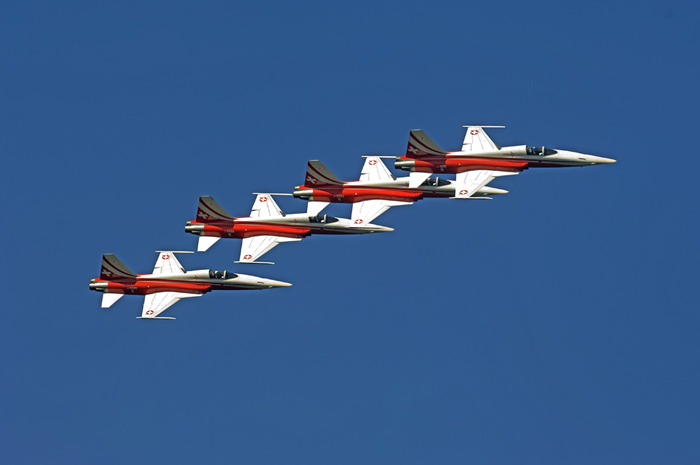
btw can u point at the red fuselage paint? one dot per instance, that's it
(457, 164)
(138, 286)
(353, 194)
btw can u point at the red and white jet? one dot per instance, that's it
(480, 160)
(168, 283)
(266, 226)
(375, 192)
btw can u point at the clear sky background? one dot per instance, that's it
(557, 324)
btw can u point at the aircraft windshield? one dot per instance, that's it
(322, 219)
(221, 274)
(435, 182)
(532, 150)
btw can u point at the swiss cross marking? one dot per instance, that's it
(108, 273)
(412, 149)
(247, 256)
(165, 257)
(263, 199)
(311, 180)
(474, 132)
(358, 221)
(150, 312)
(463, 192)
(203, 215)
(373, 162)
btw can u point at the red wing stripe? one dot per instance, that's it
(322, 177)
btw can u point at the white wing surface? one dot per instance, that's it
(315, 207)
(469, 182)
(476, 140)
(415, 179)
(167, 264)
(365, 212)
(109, 299)
(205, 242)
(257, 246)
(155, 304)
(265, 207)
(375, 170)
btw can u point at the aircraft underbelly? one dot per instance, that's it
(459, 165)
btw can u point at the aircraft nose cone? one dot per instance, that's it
(603, 160)
(279, 284)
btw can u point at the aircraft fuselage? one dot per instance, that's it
(293, 226)
(396, 190)
(192, 282)
(508, 159)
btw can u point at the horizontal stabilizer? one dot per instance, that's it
(205, 242)
(109, 299)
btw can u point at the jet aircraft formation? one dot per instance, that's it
(478, 162)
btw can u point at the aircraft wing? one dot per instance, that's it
(257, 246)
(314, 207)
(365, 212)
(265, 207)
(375, 170)
(167, 264)
(476, 140)
(157, 303)
(469, 182)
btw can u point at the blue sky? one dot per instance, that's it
(556, 324)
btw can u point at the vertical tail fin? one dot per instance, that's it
(420, 145)
(209, 211)
(318, 175)
(113, 268)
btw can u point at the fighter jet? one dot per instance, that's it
(266, 226)
(375, 192)
(168, 283)
(480, 159)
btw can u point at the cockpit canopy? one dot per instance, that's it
(532, 150)
(435, 182)
(221, 275)
(323, 219)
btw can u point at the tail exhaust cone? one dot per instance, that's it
(99, 287)
(305, 194)
(402, 164)
(194, 228)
